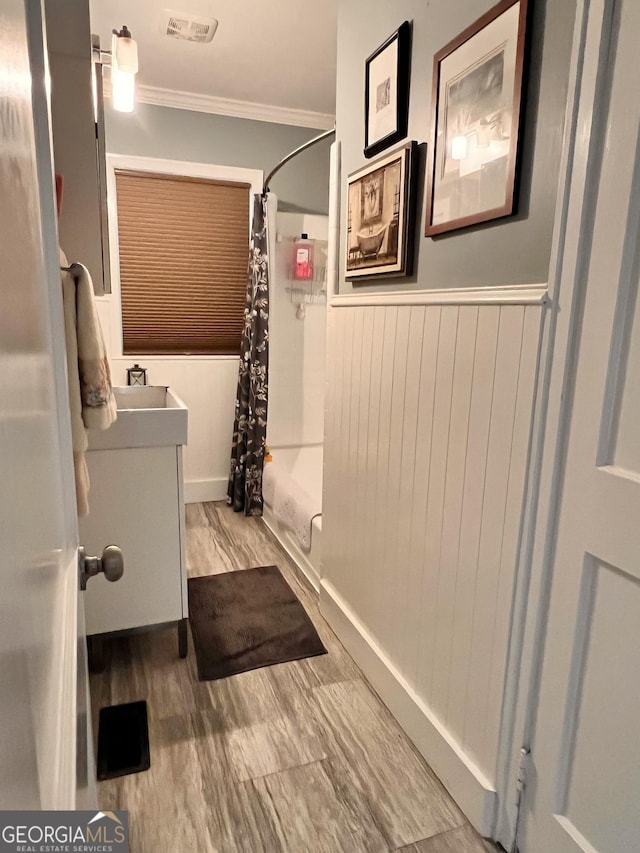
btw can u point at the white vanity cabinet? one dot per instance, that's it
(136, 502)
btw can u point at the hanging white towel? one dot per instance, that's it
(91, 397)
(99, 408)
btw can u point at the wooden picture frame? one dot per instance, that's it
(386, 92)
(477, 111)
(381, 209)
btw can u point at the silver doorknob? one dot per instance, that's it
(111, 564)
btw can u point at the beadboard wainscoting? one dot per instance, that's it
(428, 422)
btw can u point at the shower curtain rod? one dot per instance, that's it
(303, 147)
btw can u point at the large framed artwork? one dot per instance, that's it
(381, 216)
(476, 119)
(386, 96)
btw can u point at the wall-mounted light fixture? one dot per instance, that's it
(124, 67)
(123, 62)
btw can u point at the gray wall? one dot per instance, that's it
(153, 131)
(509, 251)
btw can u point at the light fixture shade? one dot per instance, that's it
(123, 90)
(126, 54)
(124, 65)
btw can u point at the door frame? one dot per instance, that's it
(585, 128)
(71, 749)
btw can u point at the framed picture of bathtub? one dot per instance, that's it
(386, 92)
(381, 216)
(477, 114)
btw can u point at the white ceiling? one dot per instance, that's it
(273, 52)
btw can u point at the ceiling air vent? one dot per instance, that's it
(186, 27)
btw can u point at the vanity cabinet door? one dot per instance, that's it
(134, 503)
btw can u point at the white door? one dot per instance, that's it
(583, 792)
(43, 718)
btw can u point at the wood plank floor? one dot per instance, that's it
(300, 757)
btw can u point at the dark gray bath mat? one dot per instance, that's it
(123, 740)
(247, 619)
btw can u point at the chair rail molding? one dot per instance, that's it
(515, 294)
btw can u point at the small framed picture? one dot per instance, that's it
(386, 96)
(476, 118)
(381, 216)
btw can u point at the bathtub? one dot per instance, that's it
(303, 465)
(370, 244)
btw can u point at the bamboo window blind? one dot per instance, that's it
(184, 245)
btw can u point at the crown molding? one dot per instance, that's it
(237, 109)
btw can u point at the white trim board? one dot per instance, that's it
(68, 732)
(204, 491)
(178, 100)
(584, 125)
(517, 294)
(186, 168)
(465, 782)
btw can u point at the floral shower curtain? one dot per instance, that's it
(250, 426)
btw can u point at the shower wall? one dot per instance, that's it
(297, 347)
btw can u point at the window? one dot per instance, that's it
(184, 245)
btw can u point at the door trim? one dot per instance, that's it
(67, 740)
(67, 705)
(587, 105)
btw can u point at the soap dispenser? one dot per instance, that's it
(303, 259)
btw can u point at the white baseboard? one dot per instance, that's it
(465, 782)
(201, 491)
